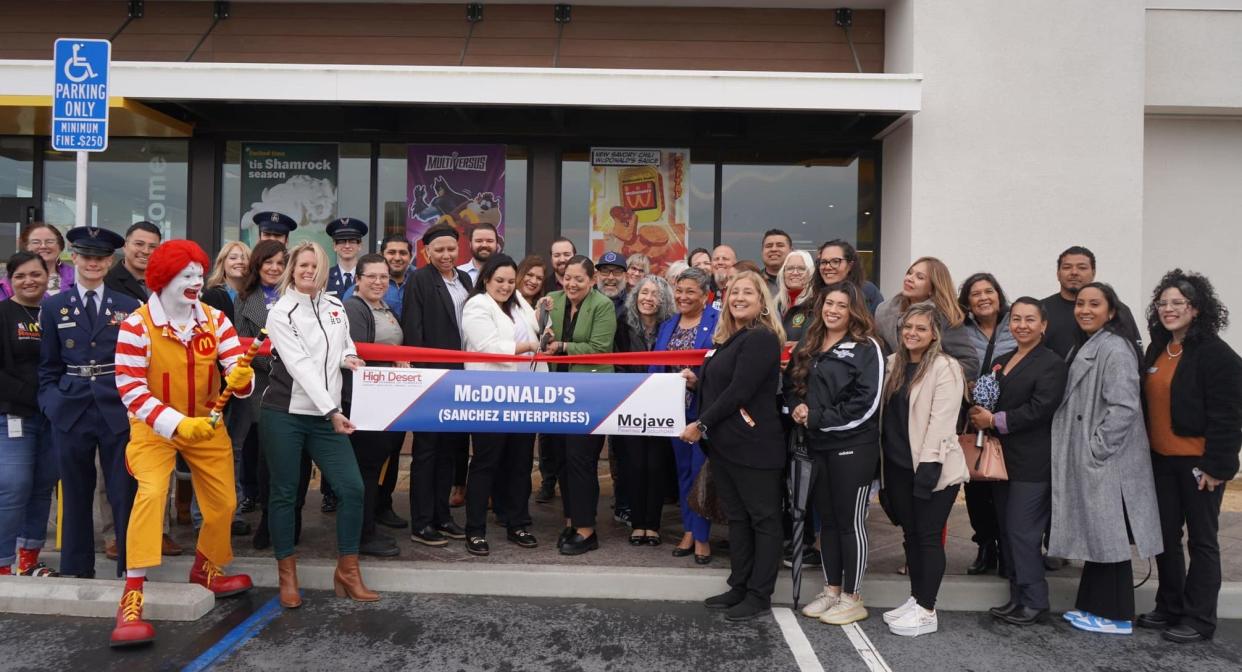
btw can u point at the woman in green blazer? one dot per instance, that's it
(582, 321)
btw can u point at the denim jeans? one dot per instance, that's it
(28, 474)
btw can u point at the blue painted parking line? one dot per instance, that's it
(237, 637)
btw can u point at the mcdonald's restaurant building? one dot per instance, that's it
(989, 134)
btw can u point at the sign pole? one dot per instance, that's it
(79, 215)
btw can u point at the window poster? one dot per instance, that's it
(297, 179)
(640, 203)
(463, 185)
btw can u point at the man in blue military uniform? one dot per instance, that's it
(347, 236)
(274, 226)
(77, 392)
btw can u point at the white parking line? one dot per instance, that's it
(799, 645)
(866, 650)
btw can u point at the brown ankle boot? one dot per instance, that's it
(348, 581)
(287, 568)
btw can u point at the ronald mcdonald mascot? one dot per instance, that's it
(168, 360)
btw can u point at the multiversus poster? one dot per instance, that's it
(463, 185)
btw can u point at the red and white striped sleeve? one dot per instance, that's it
(230, 350)
(133, 354)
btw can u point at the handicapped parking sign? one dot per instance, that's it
(80, 96)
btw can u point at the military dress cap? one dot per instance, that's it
(275, 222)
(94, 241)
(347, 228)
(610, 259)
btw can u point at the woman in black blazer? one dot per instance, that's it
(1032, 383)
(741, 424)
(1192, 399)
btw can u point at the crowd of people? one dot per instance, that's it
(1106, 446)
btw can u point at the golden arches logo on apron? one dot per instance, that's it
(203, 343)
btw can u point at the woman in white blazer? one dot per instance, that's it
(496, 319)
(923, 466)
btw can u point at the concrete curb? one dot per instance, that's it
(957, 593)
(98, 598)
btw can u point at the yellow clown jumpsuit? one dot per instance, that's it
(162, 379)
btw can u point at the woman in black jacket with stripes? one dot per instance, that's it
(833, 387)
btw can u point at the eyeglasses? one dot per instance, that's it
(374, 277)
(50, 242)
(1175, 304)
(834, 262)
(795, 269)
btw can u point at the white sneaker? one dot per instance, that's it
(845, 611)
(917, 621)
(890, 616)
(823, 602)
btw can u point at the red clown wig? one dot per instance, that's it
(170, 258)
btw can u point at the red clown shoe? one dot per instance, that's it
(206, 574)
(130, 629)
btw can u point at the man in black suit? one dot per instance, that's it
(130, 276)
(431, 318)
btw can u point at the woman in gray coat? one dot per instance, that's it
(1102, 481)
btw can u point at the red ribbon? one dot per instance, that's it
(377, 352)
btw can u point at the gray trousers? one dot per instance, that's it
(1023, 509)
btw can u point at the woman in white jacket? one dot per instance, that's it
(496, 319)
(301, 411)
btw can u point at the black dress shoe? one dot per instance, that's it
(522, 537)
(1001, 612)
(652, 541)
(985, 560)
(477, 546)
(680, 552)
(702, 559)
(262, 540)
(451, 530)
(725, 600)
(329, 504)
(1025, 616)
(1183, 634)
(249, 505)
(380, 547)
(746, 610)
(637, 539)
(389, 518)
(579, 544)
(240, 528)
(428, 536)
(1155, 620)
(546, 492)
(1053, 564)
(565, 535)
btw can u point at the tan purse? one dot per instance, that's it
(986, 463)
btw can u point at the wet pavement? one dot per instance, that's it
(885, 555)
(452, 633)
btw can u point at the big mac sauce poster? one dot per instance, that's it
(640, 203)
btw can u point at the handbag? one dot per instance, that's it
(986, 463)
(702, 497)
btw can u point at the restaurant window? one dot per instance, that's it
(133, 180)
(393, 181)
(16, 167)
(339, 187)
(813, 203)
(16, 182)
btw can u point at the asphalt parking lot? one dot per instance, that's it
(493, 634)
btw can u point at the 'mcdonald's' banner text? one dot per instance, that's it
(440, 400)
